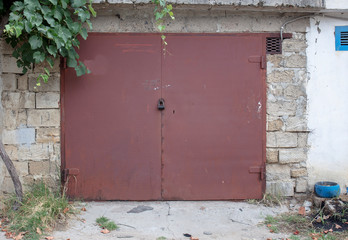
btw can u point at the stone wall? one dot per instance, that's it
(287, 131)
(31, 131)
(31, 123)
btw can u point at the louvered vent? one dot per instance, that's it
(344, 38)
(341, 38)
(273, 45)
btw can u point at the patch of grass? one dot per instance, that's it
(40, 210)
(271, 200)
(161, 238)
(106, 223)
(270, 220)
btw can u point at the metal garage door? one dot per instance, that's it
(208, 141)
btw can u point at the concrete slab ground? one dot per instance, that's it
(203, 220)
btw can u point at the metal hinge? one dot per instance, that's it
(69, 172)
(258, 59)
(258, 169)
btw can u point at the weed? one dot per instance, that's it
(273, 229)
(271, 200)
(270, 220)
(40, 210)
(294, 237)
(106, 223)
(161, 238)
(293, 219)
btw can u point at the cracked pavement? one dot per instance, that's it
(171, 219)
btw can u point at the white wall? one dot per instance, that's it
(327, 103)
(337, 4)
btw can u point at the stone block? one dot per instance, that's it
(5, 48)
(51, 182)
(282, 108)
(21, 168)
(12, 151)
(302, 140)
(276, 89)
(283, 76)
(296, 124)
(9, 82)
(292, 45)
(39, 168)
(7, 185)
(274, 61)
(33, 152)
(14, 118)
(47, 100)
(23, 82)
(39, 68)
(301, 185)
(271, 155)
(19, 136)
(53, 84)
(300, 172)
(9, 65)
(277, 172)
(28, 182)
(293, 155)
(16, 100)
(45, 135)
(44, 118)
(280, 188)
(295, 61)
(275, 125)
(294, 91)
(281, 139)
(11, 100)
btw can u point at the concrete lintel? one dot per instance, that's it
(283, 4)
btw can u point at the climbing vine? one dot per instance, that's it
(162, 10)
(41, 30)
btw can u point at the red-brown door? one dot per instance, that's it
(213, 122)
(206, 144)
(111, 123)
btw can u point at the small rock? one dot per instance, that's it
(207, 233)
(307, 204)
(140, 209)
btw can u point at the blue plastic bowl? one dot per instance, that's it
(327, 189)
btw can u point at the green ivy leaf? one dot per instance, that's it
(78, 3)
(39, 56)
(50, 62)
(89, 23)
(17, 6)
(83, 15)
(36, 19)
(50, 21)
(45, 10)
(52, 50)
(28, 26)
(54, 2)
(64, 3)
(64, 33)
(74, 27)
(57, 14)
(80, 69)
(35, 42)
(71, 62)
(91, 9)
(84, 33)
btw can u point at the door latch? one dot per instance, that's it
(160, 104)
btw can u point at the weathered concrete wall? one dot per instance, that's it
(327, 103)
(239, 3)
(31, 124)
